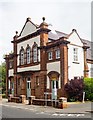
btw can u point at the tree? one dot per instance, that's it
(74, 89)
(2, 77)
(88, 88)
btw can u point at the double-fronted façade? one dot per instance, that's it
(44, 60)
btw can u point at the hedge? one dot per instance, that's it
(88, 88)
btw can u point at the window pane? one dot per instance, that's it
(57, 84)
(35, 54)
(22, 57)
(53, 84)
(57, 54)
(75, 54)
(28, 55)
(50, 55)
(28, 85)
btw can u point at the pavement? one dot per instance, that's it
(73, 108)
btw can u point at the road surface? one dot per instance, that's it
(12, 110)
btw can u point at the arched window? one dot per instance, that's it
(21, 56)
(35, 53)
(28, 54)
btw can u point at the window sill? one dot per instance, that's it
(76, 62)
(54, 60)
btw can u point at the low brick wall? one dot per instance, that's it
(20, 99)
(42, 102)
(38, 102)
(14, 99)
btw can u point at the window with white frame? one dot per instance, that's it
(22, 57)
(57, 54)
(28, 55)
(35, 55)
(75, 54)
(50, 55)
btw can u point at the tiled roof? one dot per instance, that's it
(54, 34)
(90, 50)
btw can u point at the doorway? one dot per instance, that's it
(54, 87)
(28, 87)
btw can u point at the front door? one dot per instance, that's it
(28, 87)
(11, 86)
(54, 89)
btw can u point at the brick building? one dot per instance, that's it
(43, 61)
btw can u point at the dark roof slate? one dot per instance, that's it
(90, 50)
(54, 35)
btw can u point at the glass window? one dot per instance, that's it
(10, 64)
(28, 55)
(22, 57)
(28, 83)
(49, 55)
(57, 54)
(35, 54)
(57, 84)
(53, 84)
(75, 54)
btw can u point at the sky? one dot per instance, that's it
(63, 15)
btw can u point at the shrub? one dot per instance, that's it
(74, 89)
(88, 88)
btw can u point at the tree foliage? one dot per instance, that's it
(88, 88)
(2, 77)
(74, 89)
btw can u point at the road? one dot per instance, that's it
(11, 110)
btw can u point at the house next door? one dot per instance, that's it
(54, 89)
(28, 87)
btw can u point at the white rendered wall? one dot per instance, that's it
(28, 29)
(33, 68)
(11, 72)
(54, 66)
(75, 69)
(74, 39)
